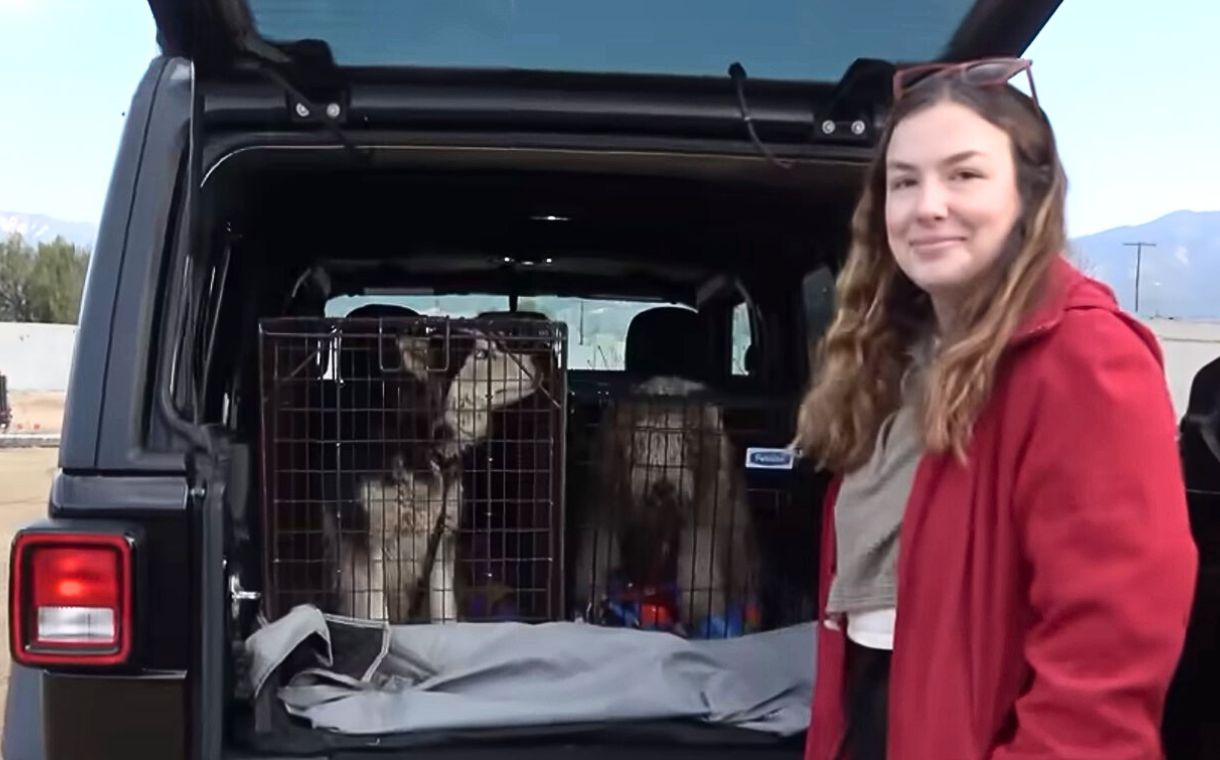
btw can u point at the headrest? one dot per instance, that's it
(513, 315)
(667, 340)
(377, 310)
(360, 356)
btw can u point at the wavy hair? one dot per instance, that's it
(859, 364)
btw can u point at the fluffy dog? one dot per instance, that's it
(667, 501)
(412, 518)
(413, 510)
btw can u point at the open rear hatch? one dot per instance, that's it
(792, 96)
(630, 76)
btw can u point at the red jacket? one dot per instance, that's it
(1044, 590)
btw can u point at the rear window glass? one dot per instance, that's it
(743, 338)
(597, 328)
(778, 39)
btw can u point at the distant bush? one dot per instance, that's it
(42, 284)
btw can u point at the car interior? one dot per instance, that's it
(721, 279)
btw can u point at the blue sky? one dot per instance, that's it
(1129, 92)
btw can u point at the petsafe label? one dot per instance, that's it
(758, 458)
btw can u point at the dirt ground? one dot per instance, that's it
(25, 482)
(36, 411)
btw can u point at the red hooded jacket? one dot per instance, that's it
(1043, 590)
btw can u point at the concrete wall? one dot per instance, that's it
(36, 357)
(1187, 346)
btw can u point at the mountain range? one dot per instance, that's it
(39, 228)
(1178, 278)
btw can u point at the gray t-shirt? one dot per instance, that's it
(871, 503)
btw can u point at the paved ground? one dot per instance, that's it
(36, 411)
(25, 480)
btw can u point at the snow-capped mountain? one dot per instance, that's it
(39, 228)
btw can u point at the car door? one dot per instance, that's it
(1192, 719)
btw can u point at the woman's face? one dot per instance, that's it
(951, 199)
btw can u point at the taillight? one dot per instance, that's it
(70, 599)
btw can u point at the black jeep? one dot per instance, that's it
(302, 190)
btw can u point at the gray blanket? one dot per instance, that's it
(377, 679)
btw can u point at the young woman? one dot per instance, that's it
(1007, 565)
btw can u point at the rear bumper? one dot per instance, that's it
(85, 717)
(22, 738)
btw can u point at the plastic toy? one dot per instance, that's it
(656, 608)
(648, 607)
(738, 620)
(493, 602)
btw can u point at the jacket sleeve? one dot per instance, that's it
(1100, 511)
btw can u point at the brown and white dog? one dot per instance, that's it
(413, 511)
(664, 474)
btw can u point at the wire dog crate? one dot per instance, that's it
(412, 467)
(671, 528)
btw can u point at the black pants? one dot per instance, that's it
(868, 689)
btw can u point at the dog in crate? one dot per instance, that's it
(666, 504)
(411, 511)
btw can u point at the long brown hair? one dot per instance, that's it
(858, 365)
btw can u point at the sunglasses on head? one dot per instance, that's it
(985, 72)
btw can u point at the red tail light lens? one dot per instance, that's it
(70, 599)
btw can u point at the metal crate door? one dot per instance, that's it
(395, 448)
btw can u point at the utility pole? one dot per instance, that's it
(1139, 255)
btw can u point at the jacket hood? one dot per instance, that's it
(1068, 289)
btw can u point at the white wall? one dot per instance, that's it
(1187, 347)
(36, 357)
